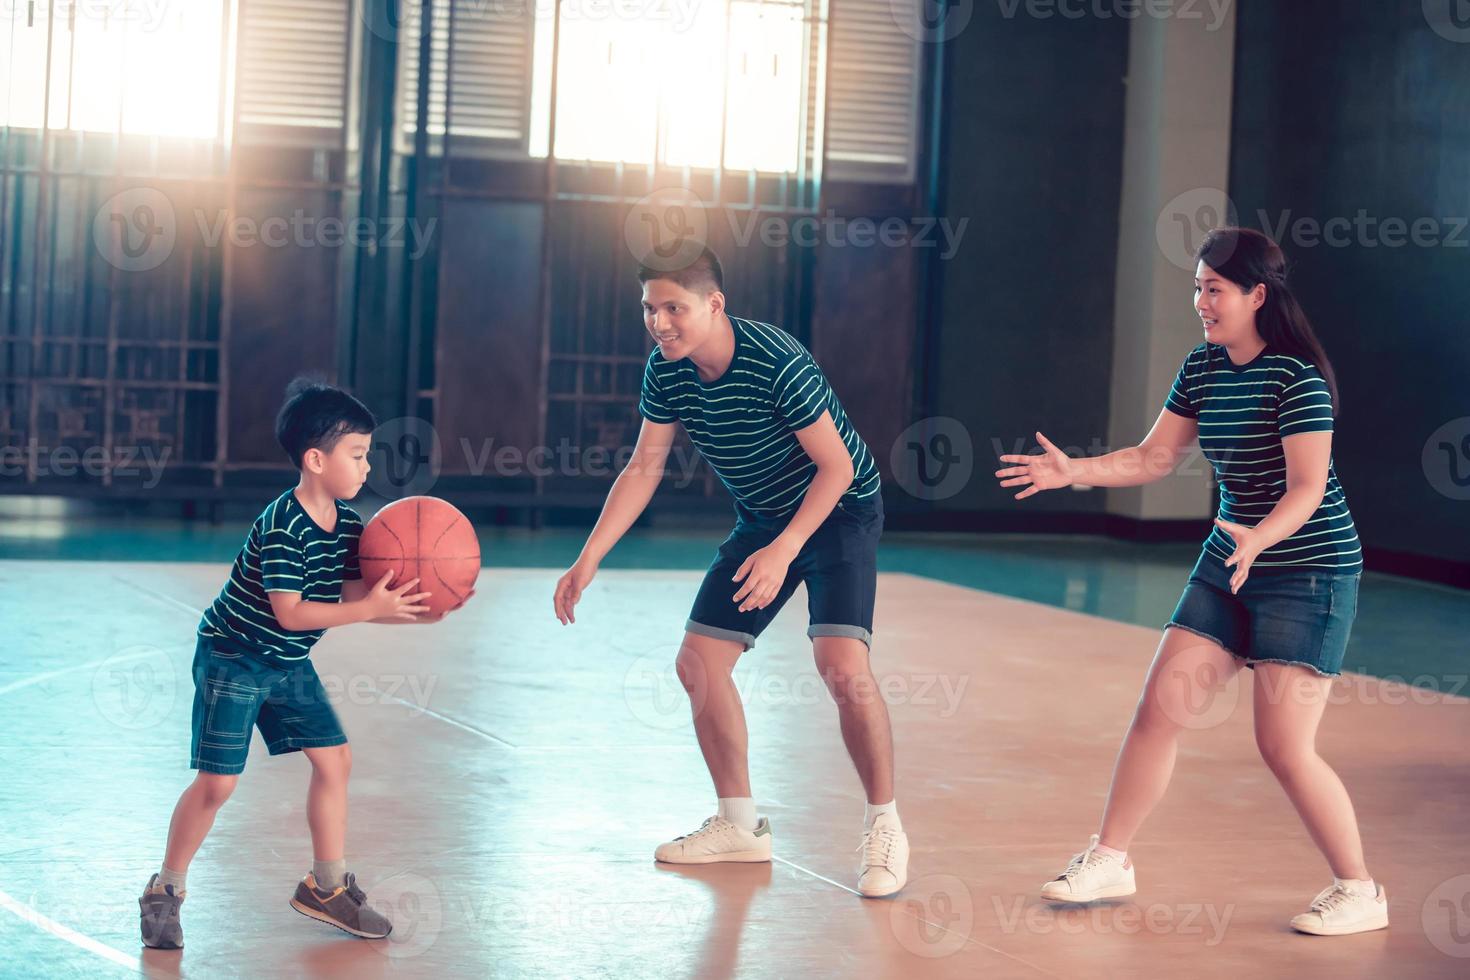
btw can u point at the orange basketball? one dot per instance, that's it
(424, 538)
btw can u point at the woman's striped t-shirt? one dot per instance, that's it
(285, 551)
(1244, 411)
(744, 421)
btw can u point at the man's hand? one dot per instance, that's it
(764, 572)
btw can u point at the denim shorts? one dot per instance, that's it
(1284, 617)
(234, 691)
(839, 564)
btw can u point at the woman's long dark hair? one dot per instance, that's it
(1248, 258)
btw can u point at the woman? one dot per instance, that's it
(1275, 587)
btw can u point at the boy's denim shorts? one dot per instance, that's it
(839, 564)
(1286, 617)
(234, 691)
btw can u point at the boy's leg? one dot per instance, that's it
(194, 815)
(863, 715)
(705, 665)
(326, 811)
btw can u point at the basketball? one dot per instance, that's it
(424, 538)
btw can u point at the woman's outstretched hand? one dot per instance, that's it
(1050, 470)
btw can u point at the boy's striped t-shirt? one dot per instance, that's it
(285, 551)
(744, 421)
(1244, 411)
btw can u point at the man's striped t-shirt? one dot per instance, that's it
(1244, 411)
(285, 551)
(744, 421)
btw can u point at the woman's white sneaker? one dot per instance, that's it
(1337, 911)
(716, 840)
(1090, 876)
(884, 868)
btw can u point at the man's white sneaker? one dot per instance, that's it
(1336, 911)
(884, 868)
(716, 840)
(1091, 875)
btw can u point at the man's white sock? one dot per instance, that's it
(889, 811)
(739, 810)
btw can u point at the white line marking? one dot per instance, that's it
(30, 915)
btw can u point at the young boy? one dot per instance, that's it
(296, 576)
(808, 509)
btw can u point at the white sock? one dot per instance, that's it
(872, 811)
(739, 810)
(1122, 856)
(1358, 886)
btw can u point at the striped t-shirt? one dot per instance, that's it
(285, 551)
(744, 421)
(1244, 411)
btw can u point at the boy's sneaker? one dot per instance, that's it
(1090, 876)
(716, 840)
(159, 918)
(884, 868)
(343, 907)
(1339, 912)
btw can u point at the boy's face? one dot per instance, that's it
(344, 470)
(679, 321)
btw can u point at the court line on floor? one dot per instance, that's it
(963, 937)
(81, 941)
(38, 678)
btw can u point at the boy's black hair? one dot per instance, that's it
(702, 274)
(315, 415)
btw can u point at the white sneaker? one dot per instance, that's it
(716, 840)
(1091, 875)
(1339, 912)
(884, 868)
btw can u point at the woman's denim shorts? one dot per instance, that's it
(1284, 617)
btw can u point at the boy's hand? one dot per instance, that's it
(385, 603)
(438, 617)
(569, 590)
(763, 571)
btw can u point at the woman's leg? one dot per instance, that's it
(1289, 701)
(1188, 676)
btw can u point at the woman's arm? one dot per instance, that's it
(1153, 459)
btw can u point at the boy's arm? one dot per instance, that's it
(630, 494)
(378, 602)
(765, 570)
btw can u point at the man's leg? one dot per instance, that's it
(705, 666)
(843, 663)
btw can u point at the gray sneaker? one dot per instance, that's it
(160, 916)
(343, 907)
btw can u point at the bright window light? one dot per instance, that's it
(140, 67)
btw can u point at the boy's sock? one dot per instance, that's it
(739, 810)
(329, 874)
(168, 876)
(889, 810)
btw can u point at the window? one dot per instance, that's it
(644, 82)
(293, 72)
(125, 66)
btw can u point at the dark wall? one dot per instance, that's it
(1033, 158)
(1344, 108)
